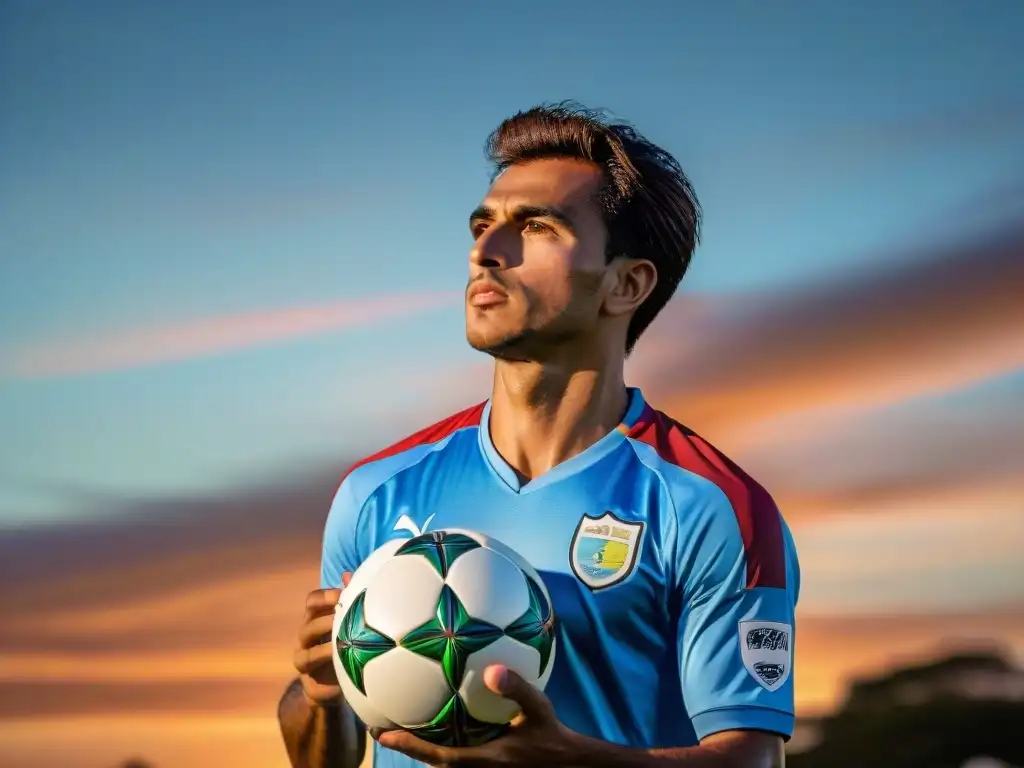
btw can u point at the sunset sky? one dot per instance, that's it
(232, 248)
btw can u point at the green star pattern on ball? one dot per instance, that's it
(451, 636)
(441, 549)
(358, 642)
(536, 627)
(455, 727)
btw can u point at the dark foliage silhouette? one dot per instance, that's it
(936, 715)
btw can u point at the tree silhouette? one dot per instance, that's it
(937, 715)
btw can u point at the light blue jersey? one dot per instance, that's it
(672, 574)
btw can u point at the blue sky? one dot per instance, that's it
(271, 202)
(165, 162)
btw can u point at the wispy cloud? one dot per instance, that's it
(852, 146)
(139, 347)
(944, 321)
(930, 451)
(915, 556)
(969, 123)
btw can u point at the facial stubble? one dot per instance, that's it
(532, 340)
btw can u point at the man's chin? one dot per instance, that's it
(508, 346)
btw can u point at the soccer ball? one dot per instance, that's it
(422, 618)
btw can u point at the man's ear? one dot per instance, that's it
(632, 282)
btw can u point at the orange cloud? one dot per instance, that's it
(145, 554)
(943, 495)
(930, 554)
(934, 325)
(136, 348)
(232, 627)
(825, 461)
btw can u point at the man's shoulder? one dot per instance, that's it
(373, 470)
(710, 489)
(670, 444)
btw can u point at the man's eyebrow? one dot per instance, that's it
(481, 213)
(523, 213)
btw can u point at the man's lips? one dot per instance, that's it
(486, 295)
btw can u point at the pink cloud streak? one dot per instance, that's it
(206, 337)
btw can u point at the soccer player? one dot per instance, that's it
(676, 644)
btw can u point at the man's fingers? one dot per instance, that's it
(432, 754)
(346, 577)
(324, 675)
(308, 659)
(316, 631)
(321, 692)
(320, 601)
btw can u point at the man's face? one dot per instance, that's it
(539, 242)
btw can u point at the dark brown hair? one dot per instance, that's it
(650, 208)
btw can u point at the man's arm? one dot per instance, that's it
(318, 728)
(736, 576)
(318, 736)
(727, 749)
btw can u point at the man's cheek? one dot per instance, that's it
(548, 298)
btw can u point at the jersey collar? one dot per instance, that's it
(573, 466)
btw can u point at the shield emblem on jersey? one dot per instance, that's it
(604, 550)
(766, 648)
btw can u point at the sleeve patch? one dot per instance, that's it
(766, 648)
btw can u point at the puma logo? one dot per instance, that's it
(406, 523)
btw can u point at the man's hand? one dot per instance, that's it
(535, 738)
(313, 658)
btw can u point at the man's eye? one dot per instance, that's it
(536, 227)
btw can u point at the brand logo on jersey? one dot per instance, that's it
(406, 523)
(604, 550)
(766, 648)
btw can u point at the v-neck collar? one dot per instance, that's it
(571, 466)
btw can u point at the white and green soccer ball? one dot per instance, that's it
(422, 618)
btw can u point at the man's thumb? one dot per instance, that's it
(504, 682)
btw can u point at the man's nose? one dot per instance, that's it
(492, 250)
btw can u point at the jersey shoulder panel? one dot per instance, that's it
(757, 516)
(344, 542)
(369, 473)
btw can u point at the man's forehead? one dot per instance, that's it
(562, 183)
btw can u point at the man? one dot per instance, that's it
(680, 651)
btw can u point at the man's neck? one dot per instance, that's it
(543, 414)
